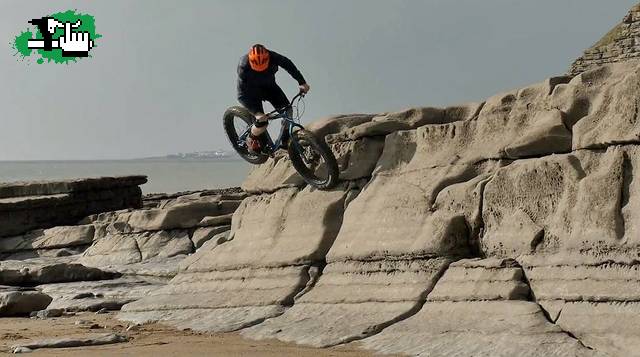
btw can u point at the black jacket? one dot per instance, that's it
(252, 82)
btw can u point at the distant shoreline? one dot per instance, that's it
(165, 174)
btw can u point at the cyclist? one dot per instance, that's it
(257, 83)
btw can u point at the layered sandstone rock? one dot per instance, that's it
(543, 172)
(112, 258)
(277, 238)
(502, 228)
(479, 308)
(29, 205)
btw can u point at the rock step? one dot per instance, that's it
(598, 301)
(220, 301)
(353, 300)
(96, 295)
(42, 188)
(469, 280)
(477, 328)
(52, 238)
(38, 209)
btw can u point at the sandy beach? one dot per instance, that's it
(148, 340)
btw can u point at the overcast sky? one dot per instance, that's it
(165, 71)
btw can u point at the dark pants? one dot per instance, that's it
(252, 100)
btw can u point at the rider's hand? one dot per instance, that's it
(304, 88)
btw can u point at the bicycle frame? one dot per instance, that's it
(289, 124)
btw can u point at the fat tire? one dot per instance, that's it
(232, 135)
(323, 149)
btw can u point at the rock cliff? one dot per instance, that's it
(502, 228)
(498, 228)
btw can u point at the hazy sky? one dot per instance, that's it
(165, 71)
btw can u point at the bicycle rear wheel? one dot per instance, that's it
(237, 121)
(313, 159)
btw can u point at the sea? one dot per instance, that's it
(164, 175)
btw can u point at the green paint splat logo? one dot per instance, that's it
(62, 37)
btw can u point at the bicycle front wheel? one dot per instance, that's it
(237, 121)
(313, 159)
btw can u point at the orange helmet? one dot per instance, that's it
(258, 58)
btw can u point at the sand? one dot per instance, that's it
(149, 340)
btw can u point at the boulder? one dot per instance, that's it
(48, 270)
(75, 341)
(201, 235)
(103, 294)
(20, 302)
(122, 249)
(47, 314)
(52, 238)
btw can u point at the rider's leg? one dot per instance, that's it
(253, 103)
(278, 99)
(256, 142)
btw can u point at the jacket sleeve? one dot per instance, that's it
(288, 66)
(242, 68)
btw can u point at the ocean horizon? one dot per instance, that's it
(164, 175)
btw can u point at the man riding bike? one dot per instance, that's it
(257, 83)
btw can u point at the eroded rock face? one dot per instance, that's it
(104, 263)
(530, 180)
(353, 300)
(275, 240)
(538, 184)
(479, 308)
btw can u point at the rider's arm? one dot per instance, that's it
(288, 66)
(243, 68)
